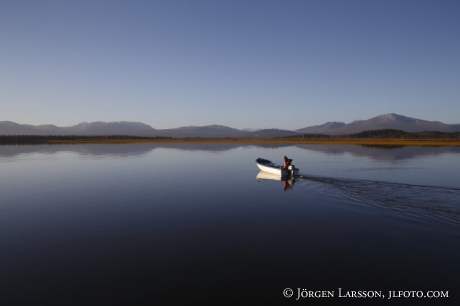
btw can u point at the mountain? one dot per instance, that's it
(13, 128)
(268, 133)
(386, 121)
(84, 128)
(321, 129)
(200, 131)
(109, 128)
(136, 129)
(48, 128)
(254, 130)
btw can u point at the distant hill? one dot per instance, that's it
(200, 131)
(268, 133)
(13, 128)
(109, 128)
(386, 121)
(84, 128)
(325, 128)
(135, 129)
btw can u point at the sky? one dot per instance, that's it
(243, 64)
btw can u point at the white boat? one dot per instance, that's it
(268, 166)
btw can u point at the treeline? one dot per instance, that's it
(399, 134)
(383, 133)
(371, 134)
(37, 139)
(309, 136)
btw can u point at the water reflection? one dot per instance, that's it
(385, 147)
(388, 154)
(177, 225)
(288, 181)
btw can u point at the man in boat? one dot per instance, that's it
(287, 162)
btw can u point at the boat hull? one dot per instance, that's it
(269, 167)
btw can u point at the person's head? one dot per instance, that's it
(285, 158)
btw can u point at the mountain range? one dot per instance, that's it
(386, 121)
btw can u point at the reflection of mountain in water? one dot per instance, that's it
(113, 149)
(384, 147)
(86, 149)
(380, 153)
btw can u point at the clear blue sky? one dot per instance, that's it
(284, 64)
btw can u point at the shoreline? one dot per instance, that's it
(359, 141)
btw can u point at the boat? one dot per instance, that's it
(267, 166)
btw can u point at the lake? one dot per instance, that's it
(191, 223)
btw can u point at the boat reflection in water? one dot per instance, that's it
(288, 181)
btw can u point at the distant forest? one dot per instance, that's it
(383, 134)
(37, 139)
(372, 134)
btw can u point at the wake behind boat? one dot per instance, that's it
(267, 166)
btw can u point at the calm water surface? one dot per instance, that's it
(198, 224)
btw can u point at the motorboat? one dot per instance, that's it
(267, 166)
